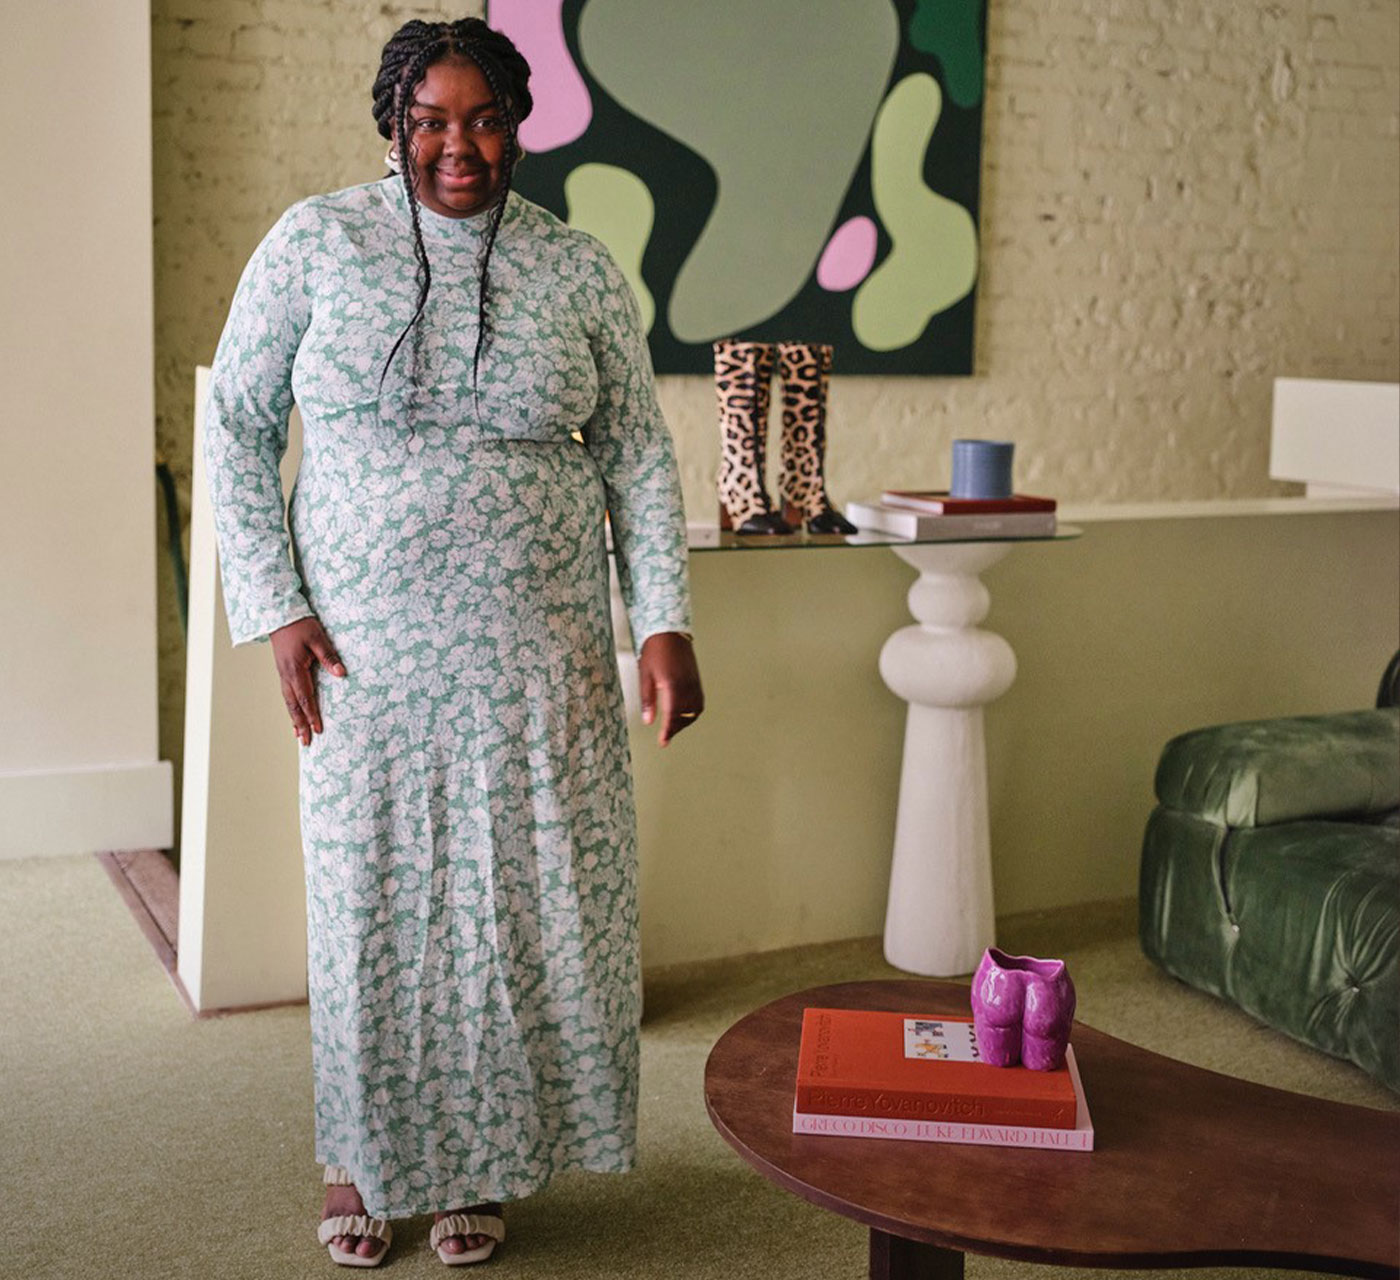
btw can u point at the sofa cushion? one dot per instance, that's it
(1298, 924)
(1317, 954)
(1256, 773)
(1183, 924)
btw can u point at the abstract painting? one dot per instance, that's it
(768, 169)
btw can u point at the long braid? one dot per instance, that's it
(484, 327)
(417, 63)
(409, 53)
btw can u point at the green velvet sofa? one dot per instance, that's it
(1270, 876)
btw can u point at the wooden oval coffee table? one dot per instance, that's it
(1190, 1168)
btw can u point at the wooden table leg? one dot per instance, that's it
(895, 1258)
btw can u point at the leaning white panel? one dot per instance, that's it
(1336, 437)
(242, 889)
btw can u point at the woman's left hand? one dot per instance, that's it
(669, 676)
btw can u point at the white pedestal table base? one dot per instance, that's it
(940, 916)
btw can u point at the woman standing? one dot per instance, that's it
(475, 393)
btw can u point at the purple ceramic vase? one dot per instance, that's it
(1022, 1009)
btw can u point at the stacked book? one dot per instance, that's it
(868, 1074)
(931, 516)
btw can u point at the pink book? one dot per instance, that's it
(1080, 1138)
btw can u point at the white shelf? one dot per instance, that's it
(1089, 513)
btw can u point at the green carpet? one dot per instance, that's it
(138, 1141)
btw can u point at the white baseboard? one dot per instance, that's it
(53, 812)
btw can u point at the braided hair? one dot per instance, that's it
(411, 50)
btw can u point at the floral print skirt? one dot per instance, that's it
(468, 829)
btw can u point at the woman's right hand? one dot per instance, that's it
(297, 648)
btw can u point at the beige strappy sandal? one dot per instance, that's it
(467, 1224)
(351, 1224)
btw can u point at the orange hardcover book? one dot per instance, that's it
(940, 502)
(861, 1062)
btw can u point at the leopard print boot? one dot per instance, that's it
(805, 369)
(743, 382)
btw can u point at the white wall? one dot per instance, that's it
(78, 749)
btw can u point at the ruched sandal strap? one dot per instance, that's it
(354, 1224)
(467, 1224)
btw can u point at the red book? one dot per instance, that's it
(859, 1062)
(936, 502)
(1080, 1138)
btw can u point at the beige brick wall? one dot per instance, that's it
(1181, 200)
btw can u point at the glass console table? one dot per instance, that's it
(939, 918)
(710, 537)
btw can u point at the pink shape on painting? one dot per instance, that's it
(562, 105)
(848, 256)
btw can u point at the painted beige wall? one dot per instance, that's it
(772, 823)
(79, 765)
(1180, 201)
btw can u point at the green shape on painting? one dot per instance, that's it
(948, 29)
(933, 261)
(777, 98)
(616, 206)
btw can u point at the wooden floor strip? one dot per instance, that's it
(148, 883)
(150, 887)
(154, 877)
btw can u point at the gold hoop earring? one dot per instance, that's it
(391, 159)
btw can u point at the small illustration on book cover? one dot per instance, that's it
(939, 1041)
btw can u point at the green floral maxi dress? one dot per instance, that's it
(466, 815)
